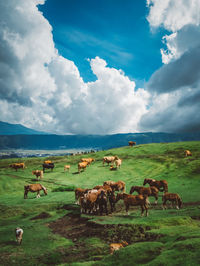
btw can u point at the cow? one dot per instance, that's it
(34, 188)
(38, 173)
(102, 202)
(161, 185)
(17, 166)
(136, 200)
(109, 159)
(117, 246)
(48, 166)
(88, 160)
(149, 191)
(118, 163)
(187, 153)
(79, 192)
(19, 233)
(47, 161)
(173, 197)
(116, 186)
(82, 166)
(131, 143)
(89, 202)
(66, 167)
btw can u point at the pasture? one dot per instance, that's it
(55, 233)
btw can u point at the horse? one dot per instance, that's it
(117, 246)
(38, 173)
(149, 191)
(102, 202)
(48, 166)
(17, 166)
(137, 200)
(34, 188)
(173, 197)
(161, 185)
(116, 186)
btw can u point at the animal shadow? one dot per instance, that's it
(75, 173)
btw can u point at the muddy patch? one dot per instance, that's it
(42, 215)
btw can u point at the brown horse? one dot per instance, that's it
(17, 166)
(38, 173)
(130, 200)
(116, 186)
(174, 198)
(34, 188)
(149, 191)
(161, 185)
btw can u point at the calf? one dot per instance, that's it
(117, 246)
(174, 198)
(19, 234)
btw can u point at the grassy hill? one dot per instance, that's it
(55, 233)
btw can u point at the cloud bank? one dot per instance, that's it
(175, 87)
(43, 90)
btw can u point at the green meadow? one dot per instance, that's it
(55, 233)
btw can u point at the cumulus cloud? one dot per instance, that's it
(176, 85)
(43, 90)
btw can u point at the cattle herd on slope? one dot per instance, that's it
(96, 200)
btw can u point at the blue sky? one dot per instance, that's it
(100, 67)
(114, 30)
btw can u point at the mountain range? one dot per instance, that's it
(19, 137)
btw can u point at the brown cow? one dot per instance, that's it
(34, 188)
(47, 161)
(187, 153)
(130, 200)
(161, 185)
(131, 143)
(17, 166)
(174, 198)
(88, 160)
(117, 246)
(38, 173)
(109, 159)
(66, 167)
(79, 192)
(82, 166)
(116, 186)
(149, 191)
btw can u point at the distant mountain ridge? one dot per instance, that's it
(19, 137)
(17, 129)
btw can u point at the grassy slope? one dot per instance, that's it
(180, 233)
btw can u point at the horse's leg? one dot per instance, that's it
(38, 194)
(177, 207)
(156, 198)
(164, 205)
(146, 208)
(142, 210)
(127, 208)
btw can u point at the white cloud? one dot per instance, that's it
(43, 90)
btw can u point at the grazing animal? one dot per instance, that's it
(187, 153)
(66, 167)
(102, 202)
(116, 186)
(47, 161)
(48, 166)
(174, 198)
(136, 200)
(38, 173)
(109, 159)
(112, 200)
(117, 246)
(19, 234)
(118, 163)
(79, 192)
(82, 166)
(88, 160)
(149, 191)
(131, 143)
(161, 185)
(17, 166)
(34, 188)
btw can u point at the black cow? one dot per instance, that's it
(48, 166)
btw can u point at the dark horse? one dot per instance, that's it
(48, 166)
(161, 185)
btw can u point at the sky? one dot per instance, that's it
(100, 67)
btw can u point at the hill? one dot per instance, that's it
(97, 142)
(56, 233)
(17, 129)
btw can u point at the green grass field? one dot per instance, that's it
(56, 234)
